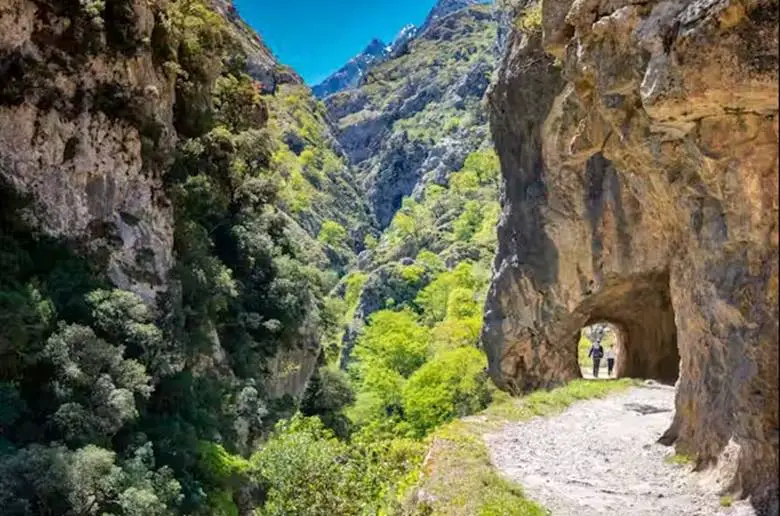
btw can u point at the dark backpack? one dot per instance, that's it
(597, 351)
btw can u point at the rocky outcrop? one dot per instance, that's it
(92, 105)
(416, 114)
(81, 113)
(444, 8)
(641, 190)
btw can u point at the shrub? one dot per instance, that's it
(305, 471)
(353, 287)
(530, 18)
(452, 384)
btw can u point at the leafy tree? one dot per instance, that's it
(327, 395)
(395, 341)
(122, 317)
(332, 233)
(452, 384)
(89, 480)
(434, 299)
(455, 333)
(469, 221)
(94, 383)
(304, 471)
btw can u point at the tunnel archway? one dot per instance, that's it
(609, 336)
(640, 313)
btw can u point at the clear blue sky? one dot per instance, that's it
(316, 37)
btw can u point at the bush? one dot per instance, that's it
(453, 384)
(530, 18)
(305, 471)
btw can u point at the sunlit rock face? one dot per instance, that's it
(639, 152)
(81, 106)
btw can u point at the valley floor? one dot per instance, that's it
(600, 457)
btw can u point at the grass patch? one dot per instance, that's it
(726, 501)
(679, 459)
(458, 477)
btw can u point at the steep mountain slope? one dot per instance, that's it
(415, 117)
(425, 162)
(173, 212)
(352, 74)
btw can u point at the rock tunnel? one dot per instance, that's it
(640, 311)
(639, 158)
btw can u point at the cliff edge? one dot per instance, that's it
(638, 144)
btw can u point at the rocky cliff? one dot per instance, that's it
(416, 115)
(638, 144)
(173, 211)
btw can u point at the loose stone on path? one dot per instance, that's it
(601, 457)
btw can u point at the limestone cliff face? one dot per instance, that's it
(92, 106)
(79, 112)
(638, 145)
(87, 127)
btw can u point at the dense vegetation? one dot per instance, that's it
(111, 406)
(415, 365)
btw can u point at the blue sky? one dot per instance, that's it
(316, 37)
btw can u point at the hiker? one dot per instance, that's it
(596, 352)
(610, 359)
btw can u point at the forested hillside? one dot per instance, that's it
(187, 279)
(220, 295)
(162, 300)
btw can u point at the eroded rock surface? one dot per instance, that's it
(417, 113)
(79, 111)
(641, 176)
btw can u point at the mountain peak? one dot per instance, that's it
(446, 7)
(376, 47)
(349, 75)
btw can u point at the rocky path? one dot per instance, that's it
(601, 457)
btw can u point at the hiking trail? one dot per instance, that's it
(601, 457)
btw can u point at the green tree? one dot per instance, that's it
(434, 299)
(94, 383)
(305, 471)
(332, 233)
(469, 221)
(393, 340)
(452, 384)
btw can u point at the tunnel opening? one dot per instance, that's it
(635, 315)
(609, 338)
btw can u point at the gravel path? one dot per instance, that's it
(601, 457)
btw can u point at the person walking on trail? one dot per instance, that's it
(610, 359)
(596, 352)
